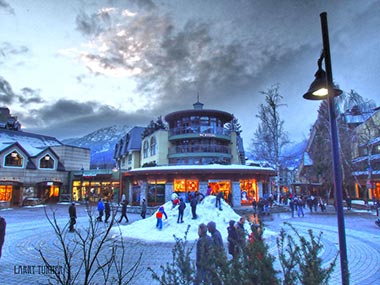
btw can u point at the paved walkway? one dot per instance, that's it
(29, 230)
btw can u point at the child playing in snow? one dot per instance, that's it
(159, 215)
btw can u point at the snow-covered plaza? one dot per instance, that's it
(29, 230)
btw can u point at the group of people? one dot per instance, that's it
(210, 253)
(298, 204)
(104, 208)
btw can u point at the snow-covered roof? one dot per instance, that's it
(307, 161)
(236, 167)
(33, 144)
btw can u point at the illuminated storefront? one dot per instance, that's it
(156, 184)
(91, 185)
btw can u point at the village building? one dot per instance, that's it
(193, 154)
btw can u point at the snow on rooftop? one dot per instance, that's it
(32, 143)
(206, 211)
(205, 167)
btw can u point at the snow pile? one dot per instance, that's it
(206, 212)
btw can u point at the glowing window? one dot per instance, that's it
(184, 185)
(47, 162)
(14, 159)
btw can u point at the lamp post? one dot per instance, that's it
(323, 88)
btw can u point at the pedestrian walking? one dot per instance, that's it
(203, 249)
(73, 216)
(292, 206)
(3, 226)
(193, 205)
(232, 239)
(217, 255)
(124, 211)
(159, 215)
(100, 210)
(254, 206)
(300, 205)
(241, 232)
(348, 202)
(143, 208)
(107, 210)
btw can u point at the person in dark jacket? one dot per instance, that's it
(216, 236)
(73, 216)
(143, 208)
(107, 210)
(3, 225)
(204, 244)
(124, 211)
(217, 254)
(100, 210)
(193, 204)
(181, 209)
(218, 199)
(232, 239)
(241, 232)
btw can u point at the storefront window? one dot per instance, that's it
(156, 194)
(217, 186)
(185, 185)
(6, 192)
(248, 190)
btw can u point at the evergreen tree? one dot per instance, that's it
(234, 125)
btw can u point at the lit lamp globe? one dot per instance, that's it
(318, 88)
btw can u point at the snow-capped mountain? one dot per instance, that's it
(102, 144)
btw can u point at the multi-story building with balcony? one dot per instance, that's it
(195, 152)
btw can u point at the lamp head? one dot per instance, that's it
(318, 88)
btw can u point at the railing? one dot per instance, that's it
(196, 148)
(199, 130)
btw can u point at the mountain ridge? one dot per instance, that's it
(101, 143)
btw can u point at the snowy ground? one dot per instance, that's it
(206, 212)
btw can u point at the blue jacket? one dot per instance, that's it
(100, 206)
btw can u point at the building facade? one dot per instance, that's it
(366, 157)
(194, 153)
(36, 168)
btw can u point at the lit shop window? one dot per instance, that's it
(14, 159)
(184, 185)
(248, 189)
(5, 192)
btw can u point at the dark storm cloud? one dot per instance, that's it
(5, 6)
(173, 63)
(88, 24)
(144, 4)
(27, 96)
(67, 118)
(30, 95)
(7, 96)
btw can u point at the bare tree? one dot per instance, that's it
(270, 136)
(89, 253)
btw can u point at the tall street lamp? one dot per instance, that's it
(323, 88)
